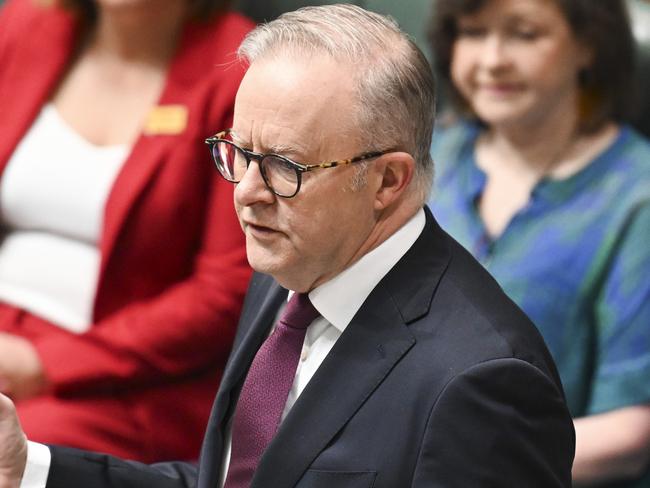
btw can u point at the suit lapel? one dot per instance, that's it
(263, 300)
(374, 342)
(371, 345)
(148, 153)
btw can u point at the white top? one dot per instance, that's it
(52, 197)
(338, 301)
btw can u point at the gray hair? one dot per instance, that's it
(395, 85)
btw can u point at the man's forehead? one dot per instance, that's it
(288, 105)
(314, 77)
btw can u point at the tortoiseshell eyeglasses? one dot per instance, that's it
(281, 175)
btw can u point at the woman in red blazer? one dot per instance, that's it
(140, 381)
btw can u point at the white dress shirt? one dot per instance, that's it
(337, 301)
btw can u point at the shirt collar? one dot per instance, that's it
(339, 299)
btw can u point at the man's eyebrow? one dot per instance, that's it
(286, 149)
(276, 148)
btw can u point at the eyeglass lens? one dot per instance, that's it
(279, 174)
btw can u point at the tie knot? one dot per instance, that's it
(300, 312)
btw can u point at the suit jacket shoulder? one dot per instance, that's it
(439, 380)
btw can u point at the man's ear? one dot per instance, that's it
(392, 174)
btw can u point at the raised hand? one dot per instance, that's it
(13, 446)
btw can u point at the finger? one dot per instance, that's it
(13, 445)
(7, 408)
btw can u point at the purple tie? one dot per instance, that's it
(264, 394)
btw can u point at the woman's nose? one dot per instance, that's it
(494, 52)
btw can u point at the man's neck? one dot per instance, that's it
(388, 222)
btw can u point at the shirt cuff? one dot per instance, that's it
(39, 459)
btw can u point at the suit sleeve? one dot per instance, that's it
(72, 468)
(500, 423)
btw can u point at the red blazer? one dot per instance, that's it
(173, 270)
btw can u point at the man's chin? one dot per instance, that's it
(263, 260)
(287, 276)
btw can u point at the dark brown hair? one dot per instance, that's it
(199, 9)
(601, 25)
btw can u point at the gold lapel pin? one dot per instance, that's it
(166, 120)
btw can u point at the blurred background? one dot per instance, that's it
(414, 15)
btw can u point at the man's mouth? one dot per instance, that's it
(258, 230)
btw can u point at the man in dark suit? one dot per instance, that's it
(397, 361)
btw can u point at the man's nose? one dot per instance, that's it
(252, 189)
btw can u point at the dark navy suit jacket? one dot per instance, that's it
(438, 381)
